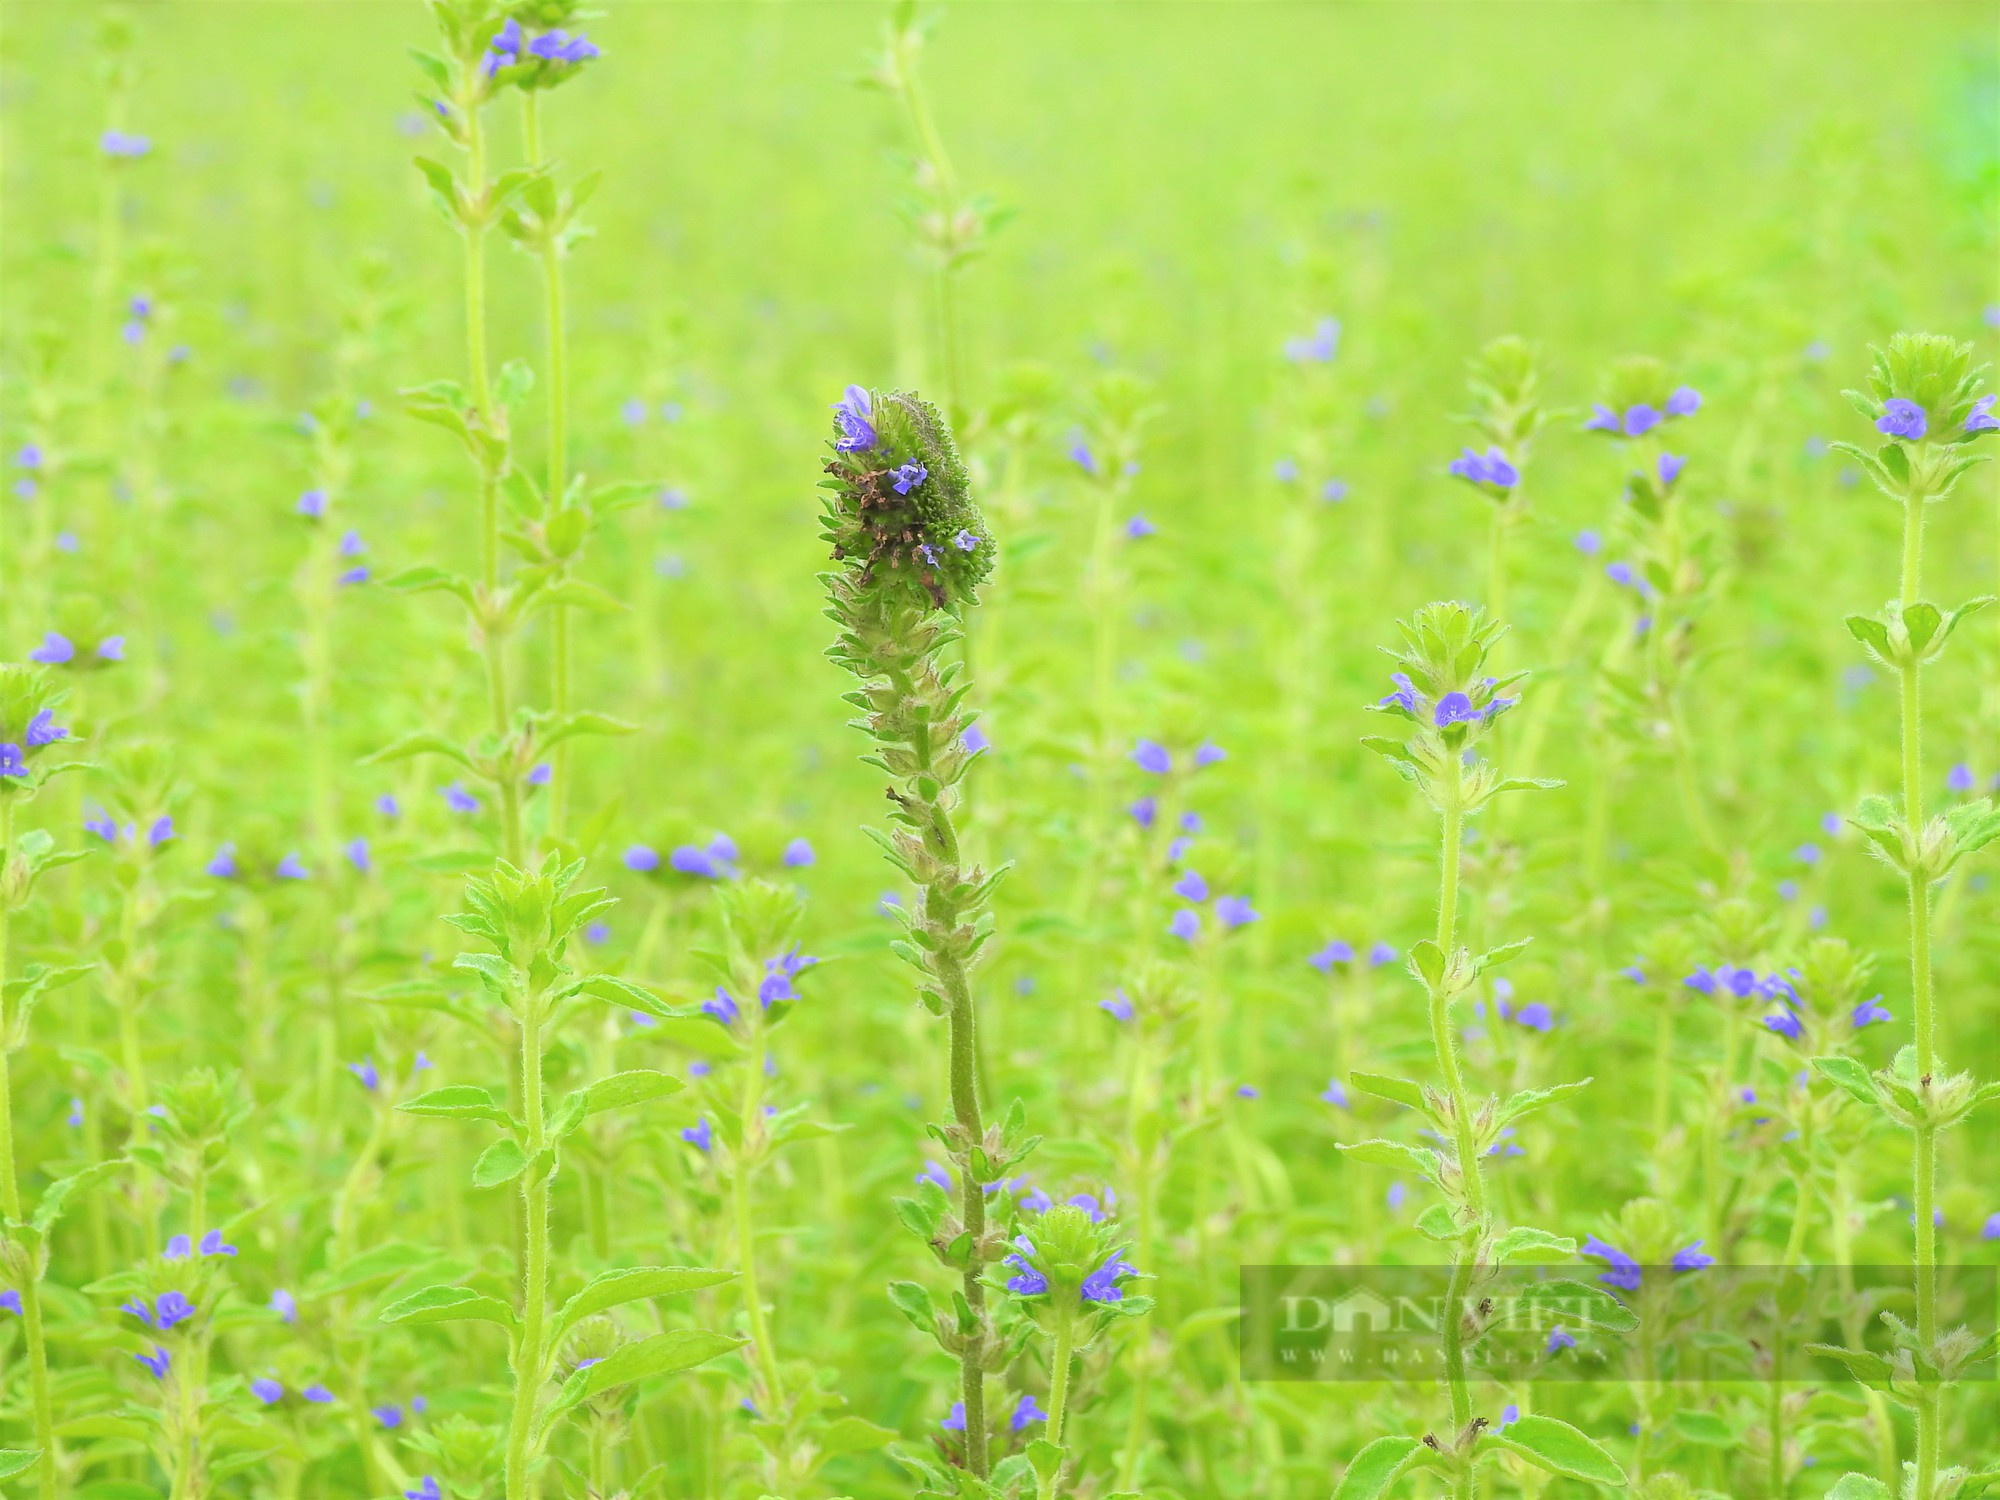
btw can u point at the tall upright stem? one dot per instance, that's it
(762, 1350)
(530, 1357)
(1059, 1363)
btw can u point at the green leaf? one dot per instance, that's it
(1847, 1074)
(1561, 1449)
(1392, 1154)
(1395, 1090)
(627, 996)
(500, 1162)
(17, 1460)
(1579, 1301)
(615, 1288)
(1525, 1241)
(637, 1086)
(55, 1197)
(459, 1101)
(1436, 1222)
(1428, 959)
(1529, 1100)
(1704, 1427)
(1047, 1460)
(914, 1303)
(853, 1435)
(662, 1354)
(1376, 1467)
(420, 743)
(449, 1304)
(1869, 1368)
(1858, 1487)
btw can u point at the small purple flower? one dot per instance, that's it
(223, 866)
(1405, 696)
(1902, 419)
(700, 1135)
(907, 477)
(1453, 708)
(388, 806)
(1334, 1094)
(292, 868)
(428, 1489)
(1397, 1196)
(388, 1416)
(1991, 1229)
(1692, 1258)
(798, 855)
(1589, 543)
(458, 799)
(1081, 456)
(124, 144)
(1207, 753)
(1684, 402)
(1234, 911)
(1559, 1339)
(1318, 347)
(1624, 1273)
(285, 1305)
(1510, 1414)
(44, 730)
(560, 47)
(954, 1420)
(1868, 1012)
(1536, 1016)
(1981, 418)
(1669, 467)
(641, 858)
(102, 826)
(171, 1308)
(1490, 467)
(974, 740)
(211, 1244)
(542, 774)
(75, 1117)
(965, 541)
(356, 851)
(158, 1362)
(1119, 1005)
(1335, 952)
(1248, 1091)
(1960, 778)
(1634, 972)
(722, 1006)
(1641, 419)
(1285, 471)
(12, 762)
(1380, 953)
(1602, 419)
(11, 1300)
(1025, 1411)
(1139, 527)
(1144, 811)
(111, 648)
(267, 1390)
(1786, 1025)
(691, 859)
(1185, 925)
(1101, 1285)
(1191, 887)
(853, 414)
(1333, 490)
(54, 650)
(318, 1394)
(1177, 849)
(1152, 757)
(934, 1173)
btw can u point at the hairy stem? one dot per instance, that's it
(530, 1357)
(1059, 1362)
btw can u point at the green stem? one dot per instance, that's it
(763, 1351)
(530, 1357)
(1059, 1362)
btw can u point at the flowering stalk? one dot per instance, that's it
(1924, 397)
(1448, 706)
(913, 550)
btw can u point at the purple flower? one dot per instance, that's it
(102, 826)
(1991, 1229)
(1144, 811)
(1081, 456)
(1139, 527)
(974, 740)
(1960, 778)
(1786, 1025)
(1692, 1258)
(1333, 490)
(932, 1172)
(560, 47)
(285, 1305)
(1536, 1017)
(700, 1135)
(357, 855)
(1981, 418)
(1025, 1411)
(428, 1489)
(12, 762)
(1380, 953)
(641, 859)
(1558, 1339)
(1152, 757)
(1101, 1285)
(1334, 1094)
(388, 806)
(170, 1308)
(353, 576)
(1405, 696)
(158, 1362)
(542, 774)
(1589, 543)
(908, 476)
(1335, 952)
(1641, 419)
(965, 541)
(1234, 911)
(1177, 850)
(75, 1116)
(1510, 1414)
(691, 859)
(1186, 924)
(318, 1394)
(1191, 887)
(292, 868)
(1030, 1282)
(1491, 468)
(954, 1420)
(1669, 467)
(1453, 708)
(722, 1007)
(1207, 753)
(11, 1300)
(1397, 1196)
(111, 648)
(54, 650)
(1701, 981)
(1624, 1272)
(798, 855)
(1868, 1012)
(1684, 402)
(853, 415)
(1248, 1091)
(1119, 1005)
(388, 1416)
(458, 799)
(211, 1244)
(1318, 347)
(1602, 418)
(1902, 419)
(132, 147)
(43, 730)
(1634, 972)
(366, 1071)
(267, 1390)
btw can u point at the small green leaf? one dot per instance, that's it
(1858, 1487)
(1436, 1222)
(1047, 1460)
(627, 995)
(1392, 1154)
(17, 1460)
(1376, 1467)
(1561, 1449)
(448, 1304)
(1525, 1241)
(500, 1162)
(459, 1101)
(615, 1288)
(1704, 1427)
(1847, 1074)
(853, 1435)
(637, 1086)
(1395, 1090)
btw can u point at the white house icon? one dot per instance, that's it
(1362, 1311)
